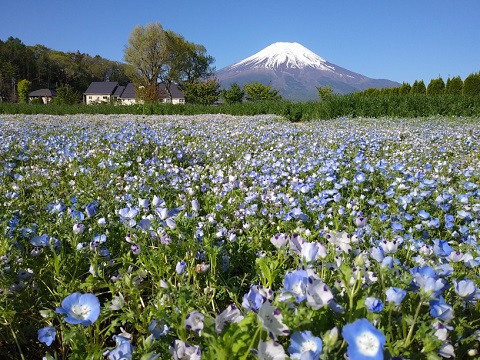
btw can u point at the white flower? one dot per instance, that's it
(272, 320)
(270, 350)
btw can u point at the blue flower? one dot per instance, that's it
(255, 297)
(397, 227)
(158, 328)
(395, 295)
(441, 310)
(373, 304)
(80, 309)
(365, 342)
(91, 209)
(304, 344)
(311, 251)
(46, 335)
(124, 351)
(465, 288)
(295, 284)
(441, 248)
(359, 177)
(180, 267)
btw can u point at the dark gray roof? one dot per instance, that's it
(174, 89)
(128, 92)
(119, 90)
(101, 88)
(43, 92)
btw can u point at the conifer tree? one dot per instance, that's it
(454, 86)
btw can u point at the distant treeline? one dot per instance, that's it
(454, 86)
(352, 105)
(46, 68)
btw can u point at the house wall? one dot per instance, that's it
(45, 99)
(94, 99)
(174, 101)
(128, 101)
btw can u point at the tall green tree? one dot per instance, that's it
(471, 84)
(256, 91)
(23, 89)
(454, 86)
(186, 62)
(203, 93)
(325, 93)
(146, 55)
(436, 87)
(233, 95)
(404, 89)
(418, 87)
(67, 95)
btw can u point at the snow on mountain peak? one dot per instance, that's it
(291, 55)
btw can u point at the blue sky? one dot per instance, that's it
(404, 40)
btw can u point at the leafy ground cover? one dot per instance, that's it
(220, 237)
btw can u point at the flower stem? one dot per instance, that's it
(412, 327)
(252, 344)
(16, 342)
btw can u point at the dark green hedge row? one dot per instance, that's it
(354, 105)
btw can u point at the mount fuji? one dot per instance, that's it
(296, 72)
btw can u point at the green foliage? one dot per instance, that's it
(325, 93)
(23, 88)
(404, 89)
(293, 112)
(418, 87)
(233, 95)
(357, 105)
(155, 54)
(66, 95)
(256, 91)
(36, 101)
(471, 85)
(203, 93)
(45, 67)
(146, 55)
(454, 86)
(436, 87)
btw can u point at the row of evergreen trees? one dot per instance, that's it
(454, 86)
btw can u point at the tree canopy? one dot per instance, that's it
(157, 55)
(47, 68)
(256, 91)
(233, 95)
(436, 87)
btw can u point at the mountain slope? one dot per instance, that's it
(296, 72)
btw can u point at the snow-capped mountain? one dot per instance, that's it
(296, 72)
(284, 54)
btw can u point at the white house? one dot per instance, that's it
(46, 95)
(101, 91)
(106, 91)
(177, 95)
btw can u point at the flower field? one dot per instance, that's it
(223, 237)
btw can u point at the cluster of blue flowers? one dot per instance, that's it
(361, 234)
